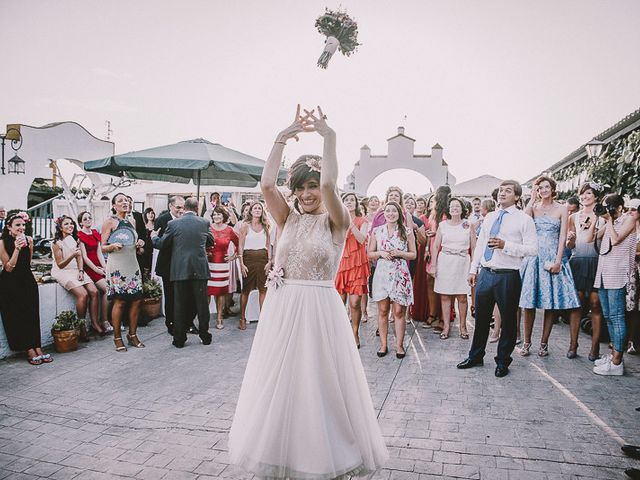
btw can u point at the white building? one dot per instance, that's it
(400, 154)
(39, 144)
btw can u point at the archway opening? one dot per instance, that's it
(409, 181)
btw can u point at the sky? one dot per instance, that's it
(507, 87)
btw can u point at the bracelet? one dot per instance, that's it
(282, 143)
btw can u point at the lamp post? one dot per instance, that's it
(16, 164)
(594, 148)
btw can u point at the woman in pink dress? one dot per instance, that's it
(223, 235)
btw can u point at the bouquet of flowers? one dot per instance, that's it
(341, 32)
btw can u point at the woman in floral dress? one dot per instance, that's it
(124, 280)
(392, 245)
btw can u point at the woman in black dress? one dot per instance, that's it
(19, 301)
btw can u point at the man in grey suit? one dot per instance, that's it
(188, 237)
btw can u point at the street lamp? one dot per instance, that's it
(16, 164)
(594, 148)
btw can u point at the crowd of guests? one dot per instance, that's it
(420, 258)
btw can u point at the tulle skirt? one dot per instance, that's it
(304, 410)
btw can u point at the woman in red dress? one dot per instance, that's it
(223, 235)
(420, 309)
(353, 272)
(95, 266)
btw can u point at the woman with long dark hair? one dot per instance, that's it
(304, 410)
(615, 266)
(68, 270)
(353, 271)
(95, 266)
(124, 280)
(392, 245)
(19, 299)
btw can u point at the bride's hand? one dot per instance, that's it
(316, 124)
(300, 124)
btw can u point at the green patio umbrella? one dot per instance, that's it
(204, 162)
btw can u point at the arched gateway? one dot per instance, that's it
(400, 154)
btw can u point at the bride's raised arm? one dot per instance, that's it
(276, 203)
(329, 173)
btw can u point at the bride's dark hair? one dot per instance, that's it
(300, 172)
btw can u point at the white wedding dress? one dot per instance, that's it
(304, 410)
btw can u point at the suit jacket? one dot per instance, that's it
(163, 263)
(188, 237)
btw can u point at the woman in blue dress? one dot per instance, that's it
(547, 282)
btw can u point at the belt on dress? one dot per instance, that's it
(452, 251)
(310, 283)
(501, 270)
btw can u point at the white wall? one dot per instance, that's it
(39, 144)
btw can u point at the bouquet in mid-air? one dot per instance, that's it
(341, 32)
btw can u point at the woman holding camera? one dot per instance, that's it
(19, 299)
(547, 282)
(615, 264)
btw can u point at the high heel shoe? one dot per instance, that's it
(243, 324)
(382, 353)
(121, 347)
(134, 341)
(401, 355)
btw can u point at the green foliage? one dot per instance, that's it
(152, 289)
(66, 320)
(618, 166)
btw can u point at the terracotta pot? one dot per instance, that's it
(65, 340)
(152, 308)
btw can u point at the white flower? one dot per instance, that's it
(275, 278)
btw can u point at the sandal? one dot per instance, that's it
(473, 311)
(121, 347)
(219, 325)
(47, 358)
(106, 326)
(524, 350)
(444, 336)
(243, 324)
(137, 343)
(544, 350)
(35, 360)
(464, 336)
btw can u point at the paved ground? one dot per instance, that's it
(163, 413)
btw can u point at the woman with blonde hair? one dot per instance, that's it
(254, 251)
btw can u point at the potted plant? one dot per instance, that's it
(65, 332)
(152, 304)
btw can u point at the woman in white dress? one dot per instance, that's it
(304, 410)
(454, 240)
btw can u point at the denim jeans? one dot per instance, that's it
(612, 303)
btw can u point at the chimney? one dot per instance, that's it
(400, 130)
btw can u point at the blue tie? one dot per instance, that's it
(495, 229)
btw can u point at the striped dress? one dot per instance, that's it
(218, 283)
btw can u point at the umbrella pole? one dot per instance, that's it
(198, 188)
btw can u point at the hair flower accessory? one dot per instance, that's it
(598, 187)
(314, 164)
(275, 278)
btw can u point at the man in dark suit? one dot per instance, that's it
(163, 263)
(188, 237)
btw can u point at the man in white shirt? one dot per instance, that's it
(506, 237)
(475, 213)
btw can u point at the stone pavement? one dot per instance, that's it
(164, 413)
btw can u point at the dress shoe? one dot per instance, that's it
(193, 330)
(632, 473)
(178, 344)
(469, 363)
(632, 451)
(206, 339)
(170, 329)
(502, 371)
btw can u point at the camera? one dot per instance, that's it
(602, 209)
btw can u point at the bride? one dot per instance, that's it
(304, 410)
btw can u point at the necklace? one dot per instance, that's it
(545, 209)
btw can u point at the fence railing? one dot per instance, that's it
(42, 218)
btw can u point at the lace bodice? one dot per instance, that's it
(306, 250)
